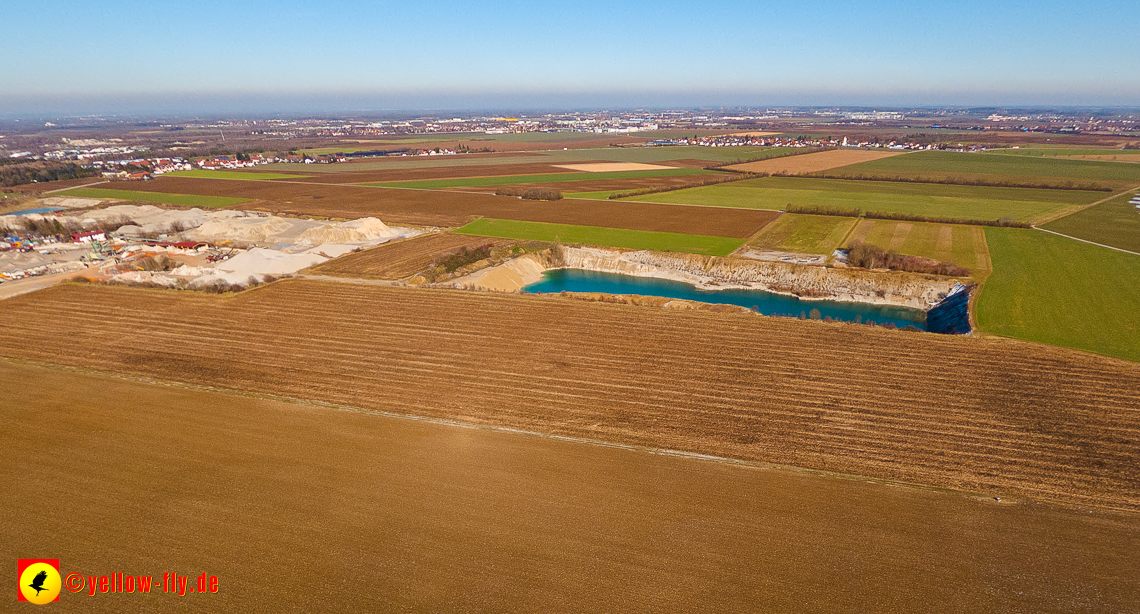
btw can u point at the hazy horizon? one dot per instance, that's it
(268, 105)
(210, 57)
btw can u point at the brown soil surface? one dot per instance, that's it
(813, 162)
(400, 259)
(689, 163)
(598, 185)
(296, 508)
(450, 208)
(980, 414)
(420, 174)
(47, 186)
(611, 167)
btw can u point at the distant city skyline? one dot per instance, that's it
(74, 57)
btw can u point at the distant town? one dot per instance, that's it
(132, 149)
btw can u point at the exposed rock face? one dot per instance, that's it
(893, 288)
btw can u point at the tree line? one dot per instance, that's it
(21, 175)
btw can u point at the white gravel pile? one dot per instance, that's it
(364, 230)
(257, 264)
(297, 243)
(150, 277)
(250, 229)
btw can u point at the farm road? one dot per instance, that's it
(1087, 241)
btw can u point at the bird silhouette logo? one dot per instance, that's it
(38, 584)
(39, 580)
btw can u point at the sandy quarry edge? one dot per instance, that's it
(713, 273)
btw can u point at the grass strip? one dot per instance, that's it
(184, 200)
(607, 237)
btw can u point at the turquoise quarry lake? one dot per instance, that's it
(39, 210)
(768, 303)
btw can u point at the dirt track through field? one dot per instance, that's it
(991, 415)
(813, 162)
(452, 208)
(296, 508)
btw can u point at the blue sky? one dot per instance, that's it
(471, 55)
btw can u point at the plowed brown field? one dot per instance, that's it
(813, 162)
(450, 208)
(400, 259)
(47, 186)
(598, 185)
(688, 163)
(989, 415)
(420, 174)
(303, 509)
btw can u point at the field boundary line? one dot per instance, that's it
(1066, 212)
(753, 236)
(76, 187)
(1087, 241)
(850, 231)
(972, 306)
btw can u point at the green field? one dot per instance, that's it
(184, 200)
(1062, 292)
(969, 202)
(939, 164)
(957, 244)
(1114, 223)
(805, 234)
(602, 195)
(436, 184)
(235, 175)
(1053, 152)
(606, 237)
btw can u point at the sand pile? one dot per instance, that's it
(115, 212)
(192, 271)
(364, 230)
(146, 277)
(148, 218)
(10, 261)
(332, 250)
(239, 226)
(251, 229)
(168, 220)
(260, 261)
(71, 202)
